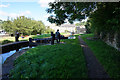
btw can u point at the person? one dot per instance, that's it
(57, 36)
(17, 36)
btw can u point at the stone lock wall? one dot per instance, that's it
(111, 39)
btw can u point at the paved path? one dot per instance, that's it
(95, 69)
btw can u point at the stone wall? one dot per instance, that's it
(111, 39)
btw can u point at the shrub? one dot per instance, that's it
(6, 41)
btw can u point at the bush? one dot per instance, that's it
(6, 41)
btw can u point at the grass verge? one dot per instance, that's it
(107, 55)
(52, 61)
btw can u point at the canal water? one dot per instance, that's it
(4, 56)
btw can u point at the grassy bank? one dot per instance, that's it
(108, 56)
(52, 61)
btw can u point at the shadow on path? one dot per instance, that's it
(95, 69)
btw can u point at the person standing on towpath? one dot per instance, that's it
(57, 36)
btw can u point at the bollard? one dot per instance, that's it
(30, 42)
(30, 39)
(17, 47)
(52, 38)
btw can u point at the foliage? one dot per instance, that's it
(87, 26)
(66, 31)
(104, 17)
(52, 61)
(80, 24)
(23, 25)
(6, 41)
(49, 30)
(0, 24)
(69, 10)
(38, 27)
(108, 19)
(108, 56)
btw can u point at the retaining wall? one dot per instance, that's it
(112, 40)
(14, 46)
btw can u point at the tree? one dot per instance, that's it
(49, 30)
(38, 27)
(6, 25)
(23, 25)
(88, 27)
(106, 18)
(80, 24)
(103, 16)
(69, 10)
(1, 24)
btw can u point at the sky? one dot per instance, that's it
(35, 9)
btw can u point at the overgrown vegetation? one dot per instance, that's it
(52, 61)
(108, 56)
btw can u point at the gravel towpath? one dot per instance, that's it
(95, 69)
